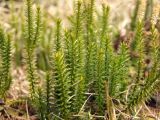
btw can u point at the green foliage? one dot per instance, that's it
(32, 35)
(80, 71)
(44, 98)
(143, 91)
(49, 95)
(17, 26)
(138, 48)
(58, 35)
(100, 60)
(62, 85)
(135, 15)
(149, 10)
(104, 25)
(119, 68)
(99, 78)
(74, 46)
(29, 27)
(5, 55)
(81, 62)
(90, 42)
(38, 25)
(40, 105)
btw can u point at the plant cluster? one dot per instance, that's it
(86, 77)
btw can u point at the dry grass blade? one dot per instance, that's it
(109, 104)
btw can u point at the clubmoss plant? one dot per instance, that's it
(84, 76)
(90, 42)
(5, 55)
(32, 35)
(62, 85)
(100, 61)
(143, 91)
(135, 15)
(58, 35)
